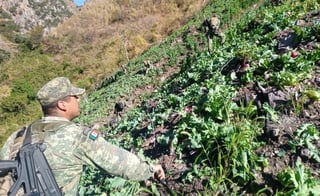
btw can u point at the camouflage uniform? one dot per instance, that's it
(213, 29)
(71, 146)
(15, 143)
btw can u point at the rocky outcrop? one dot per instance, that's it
(47, 13)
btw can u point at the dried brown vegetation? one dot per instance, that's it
(104, 35)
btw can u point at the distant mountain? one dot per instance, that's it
(30, 13)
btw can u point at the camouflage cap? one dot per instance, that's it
(56, 89)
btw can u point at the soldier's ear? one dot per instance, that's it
(61, 104)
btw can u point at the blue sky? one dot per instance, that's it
(79, 2)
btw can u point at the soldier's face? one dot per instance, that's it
(73, 107)
(214, 22)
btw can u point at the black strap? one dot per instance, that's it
(27, 139)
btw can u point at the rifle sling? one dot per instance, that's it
(27, 139)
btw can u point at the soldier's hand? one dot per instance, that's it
(159, 172)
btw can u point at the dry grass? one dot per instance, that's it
(104, 34)
(4, 91)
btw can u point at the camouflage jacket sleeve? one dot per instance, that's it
(5, 151)
(94, 149)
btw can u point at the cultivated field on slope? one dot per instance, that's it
(240, 120)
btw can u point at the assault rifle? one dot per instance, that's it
(31, 171)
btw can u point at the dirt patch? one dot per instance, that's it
(135, 98)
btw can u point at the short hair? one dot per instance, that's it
(50, 108)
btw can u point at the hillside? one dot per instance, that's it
(241, 120)
(91, 45)
(19, 18)
(105, 35)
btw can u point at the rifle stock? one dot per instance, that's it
(6, 166)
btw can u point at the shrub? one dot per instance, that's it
(4, 55)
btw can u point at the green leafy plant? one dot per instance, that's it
(298, 181)
(313, 95)
(306, 136)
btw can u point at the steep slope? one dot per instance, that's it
(219, 126)
(213, 124)
(105, 35)
(92, 45)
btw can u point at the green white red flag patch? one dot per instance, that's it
(94, 134)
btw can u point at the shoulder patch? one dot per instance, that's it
(94, 134)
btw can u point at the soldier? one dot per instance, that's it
(213, 29)
(118, 109)
(71, 146)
